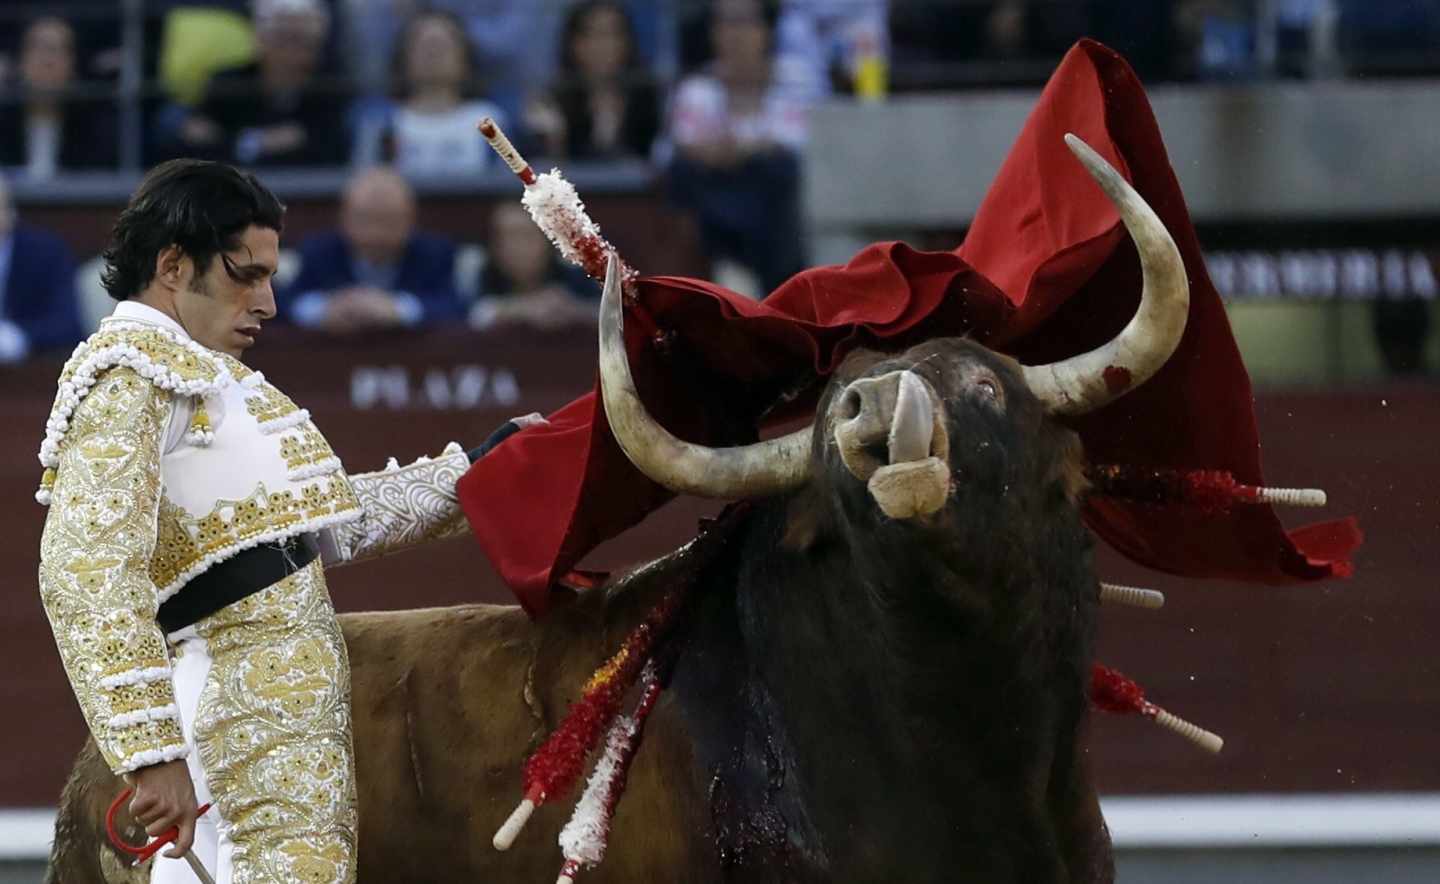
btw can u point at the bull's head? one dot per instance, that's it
(892, 421)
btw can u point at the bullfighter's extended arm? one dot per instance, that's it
(404, 506)
(95, 582)
(408, 505)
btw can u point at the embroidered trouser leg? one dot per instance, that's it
(271, 735)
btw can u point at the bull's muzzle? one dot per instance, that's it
(891, 435)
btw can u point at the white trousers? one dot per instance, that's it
(212, 847)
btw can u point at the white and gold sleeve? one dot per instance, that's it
(95, 584)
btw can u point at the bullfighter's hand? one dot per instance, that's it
(165, 797)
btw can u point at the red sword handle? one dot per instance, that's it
(146, 851)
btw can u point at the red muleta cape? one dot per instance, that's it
(1046, 271)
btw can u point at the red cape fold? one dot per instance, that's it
(1045, 272)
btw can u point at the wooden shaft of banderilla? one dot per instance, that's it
(197, 867)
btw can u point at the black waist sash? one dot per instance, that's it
(240, 576)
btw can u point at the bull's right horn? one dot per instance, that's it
(757, 470)
(1086, 382)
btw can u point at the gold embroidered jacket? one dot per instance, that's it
(163, 458)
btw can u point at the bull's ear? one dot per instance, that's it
(1068, 469)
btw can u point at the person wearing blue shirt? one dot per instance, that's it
(376, 271)
(37, 288)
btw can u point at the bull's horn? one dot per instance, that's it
(757, 470)
(1088, 381)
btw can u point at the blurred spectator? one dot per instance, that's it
(275, 111)
(37, 288)
(377, 271)
(605, 103)
(1221, 36)
(738, 130)
(524, 282)
(46, 129)
(505, 35)
(431, 131)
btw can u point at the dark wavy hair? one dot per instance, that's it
(200, 206)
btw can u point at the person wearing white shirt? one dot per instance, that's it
(431, 131)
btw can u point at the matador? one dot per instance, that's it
(192, 510)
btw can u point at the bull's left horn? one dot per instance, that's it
(1090, 380)
(757, 470)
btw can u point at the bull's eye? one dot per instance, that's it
(988, 387)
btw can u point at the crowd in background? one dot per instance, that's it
(712, 95)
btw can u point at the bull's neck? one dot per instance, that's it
(877, 701)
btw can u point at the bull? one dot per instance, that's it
(885, 649)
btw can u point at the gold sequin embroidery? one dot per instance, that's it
(186, 541)
(268, 405)
(304, 447)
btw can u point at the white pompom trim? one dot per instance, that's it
(73, 390)
(320, 468)
(136, 676)
(152, 756)
(294, 418)
(140, 716)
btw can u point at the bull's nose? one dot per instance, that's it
(865, 410)
(886, 420)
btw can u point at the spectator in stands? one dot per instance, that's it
(524, 283)
(275, 111)
(605, 103)
(37, 288)
(377, 271)
(737, 130)
(431, 130)
(47, 129)
(1221, 37)
(513, 41)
